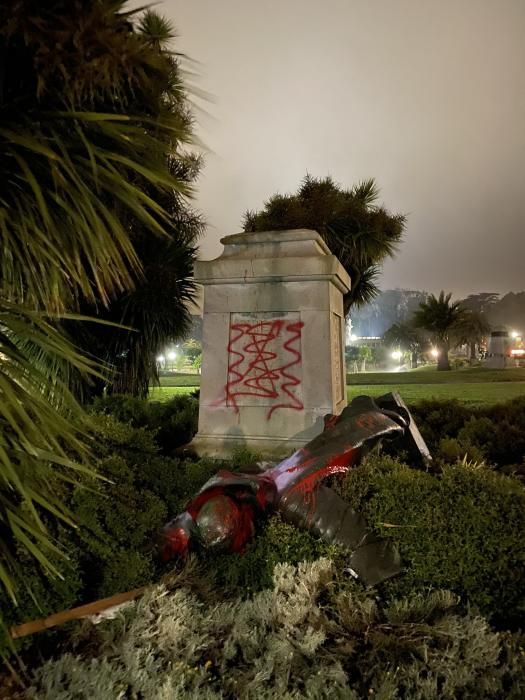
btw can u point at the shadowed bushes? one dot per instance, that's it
(173, 422)
(461, 530)
(494, 434)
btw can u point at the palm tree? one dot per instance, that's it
(470, 329)
(406, 338)
(84, 138)
(438, 316)
(364, 355)
(150, 316)
(155, 311)
(360, 233)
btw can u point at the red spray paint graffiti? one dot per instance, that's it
(263, 360)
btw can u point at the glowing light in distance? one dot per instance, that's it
(160, 358)
(434, 352)
(514, 334)
(396, 355)
(518, 352)
(172, 355)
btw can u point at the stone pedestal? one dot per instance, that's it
(498, 349)
(273, 342)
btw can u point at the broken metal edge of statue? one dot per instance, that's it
(231, 506)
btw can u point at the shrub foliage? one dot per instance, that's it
(494, 434)
(461, 530)
(119, 516)
(307, 637)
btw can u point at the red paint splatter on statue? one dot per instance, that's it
(244, 529)
(370, 421)
(202, 498)
(301, 465)
(308, 484)
(176, 543)
(330, 422)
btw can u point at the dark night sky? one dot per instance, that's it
(427, 96)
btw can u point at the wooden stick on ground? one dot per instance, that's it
(97, 606)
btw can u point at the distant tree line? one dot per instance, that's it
(395, 306)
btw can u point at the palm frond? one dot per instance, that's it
(357, 231)
(156, 28)
(156, 311)
(63, 181)
(367, 192)
(92, 111)
(364, 287)
(43, 432)
(438, 315)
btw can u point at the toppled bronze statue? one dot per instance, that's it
(224, 514)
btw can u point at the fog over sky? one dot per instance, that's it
(426, 96)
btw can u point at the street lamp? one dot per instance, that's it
(434, 352)
(397, 354)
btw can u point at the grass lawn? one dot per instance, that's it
(470, 385)
(430, 375)
(470, 393)
(163, 393)
(181, 380)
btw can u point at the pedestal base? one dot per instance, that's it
(272, 343)
(223, 446)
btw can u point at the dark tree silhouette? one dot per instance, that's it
(358, 231)
(470, 329)
(90, 114)
(439, 316)
(407, 338)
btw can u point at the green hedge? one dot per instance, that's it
(494, 434)
(461, 530)
(173, 422)
(252, 571)
(119, 516)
